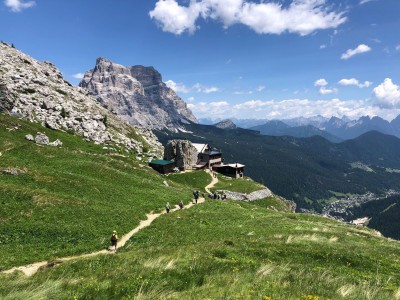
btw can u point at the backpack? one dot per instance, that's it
(114, 238)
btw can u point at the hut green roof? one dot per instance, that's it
(161, 162)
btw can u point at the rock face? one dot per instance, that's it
(225, 124)
(37, 91)
(182, 152)
(137, 94)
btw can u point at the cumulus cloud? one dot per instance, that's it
(78, 75)
(197, 87)
(321, 82)
(300, 16)
(291, 108)
(204, 89)
(325, 91)
(175, 18)
(217, 108)
(362, 48)
(177, 87)
(18, 5)
(387, 94)
(355, 82)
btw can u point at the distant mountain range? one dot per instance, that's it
(333, 129)
(307, 170)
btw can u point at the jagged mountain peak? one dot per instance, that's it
(137, 94)
(225, 124)
(38, 92)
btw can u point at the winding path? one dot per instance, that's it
(31, 269)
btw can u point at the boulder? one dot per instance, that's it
(182, 152)
(29, 137)
(41, 139)
(56, 143)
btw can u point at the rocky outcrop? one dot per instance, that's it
(38, 92)
(43, 139)
(137, 94)
(182, 152)
(257, 195)
(225, 124)
(265, 193)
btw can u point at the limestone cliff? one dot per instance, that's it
(37, 91)
(137, 94)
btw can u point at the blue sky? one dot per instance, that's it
(229, 58)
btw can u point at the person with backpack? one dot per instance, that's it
(180, 204)
(114, 240)
(167, 207)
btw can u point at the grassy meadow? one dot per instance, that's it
(228, 250)
(67, 201)
(241, 185)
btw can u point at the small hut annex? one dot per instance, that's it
(232, 170)
(162, 166)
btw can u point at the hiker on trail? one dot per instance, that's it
(114, 240)
(167, 207)
(180, 204)
(215, 195)
(196, 196)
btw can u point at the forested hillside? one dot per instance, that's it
(307, 170)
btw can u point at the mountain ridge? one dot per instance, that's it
(137, 94)
(37, 91)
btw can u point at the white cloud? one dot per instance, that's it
(177, 87)
(397, 47)
(204, 89)
(355, 82)
(321, 82)
(175, 18)
(199, 88)
(18, 5)
(78, 75)
(365, 1)
(362, 48)
(301, 16)
(322, 46)
(190, 99)
(387, 94)
(325, 91)
(217, 108)
(260, 88)
(291, 108)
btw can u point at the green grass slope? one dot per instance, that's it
(229, 250)
(67, 200)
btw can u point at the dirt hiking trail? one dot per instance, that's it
(31, 269)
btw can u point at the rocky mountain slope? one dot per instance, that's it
(225, 124)
(137, 94)
(38, 92)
